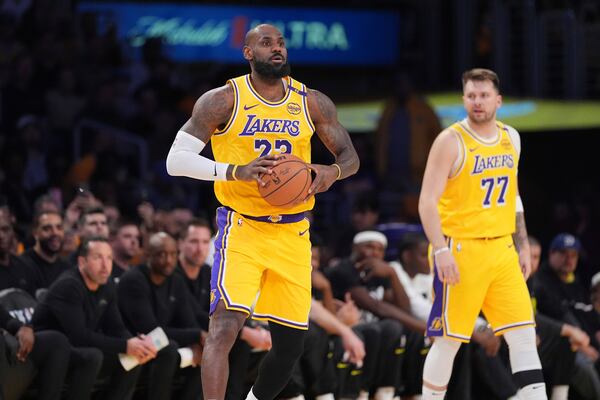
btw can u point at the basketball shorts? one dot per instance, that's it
(490, 281)
(263, 268)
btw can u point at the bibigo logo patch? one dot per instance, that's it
(293, 108)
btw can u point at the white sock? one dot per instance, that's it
(385, 393)
(251, 395)
(515, 397)
(560, 392)
(363, 395)
(535, 391)
(326, 396)
(299, 397)
(430, 394)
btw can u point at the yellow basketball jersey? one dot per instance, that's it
(479, 200)
(256, 128)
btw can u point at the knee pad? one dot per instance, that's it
(439, 361)
(522, 350)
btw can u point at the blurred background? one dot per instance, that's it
(92, 94)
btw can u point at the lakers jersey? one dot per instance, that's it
(479, 200)
(259, 127)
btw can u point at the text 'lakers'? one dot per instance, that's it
(492, 162)
(267, 125)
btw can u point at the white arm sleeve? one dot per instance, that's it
(184, 159)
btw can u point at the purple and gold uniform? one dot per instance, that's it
(478, 212)
(262, 252)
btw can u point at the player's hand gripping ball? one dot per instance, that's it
(289, 182)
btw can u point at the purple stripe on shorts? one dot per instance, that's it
(435, 325)
(217, 290)
(219, 261)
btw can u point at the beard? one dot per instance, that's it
(271, 71)
(483, 117)
(193, 259)
(49, 247)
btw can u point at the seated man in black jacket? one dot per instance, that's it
(151, 296)
(560, 296)
(43, 261)
(82, 304)
(13, 274)
(47, 352)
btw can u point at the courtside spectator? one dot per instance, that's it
(25, 355)
(43, 260)
(13, 274)
(152, 296)
(125, 242)
(82, 304)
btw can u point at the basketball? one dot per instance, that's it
(289, 182)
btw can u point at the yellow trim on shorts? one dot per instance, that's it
(280, 322)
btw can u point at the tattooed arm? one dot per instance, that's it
(211, 112)
(521, 242)
(336, 139)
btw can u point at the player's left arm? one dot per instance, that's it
(336, 139)
(520, 236)
(520, 239)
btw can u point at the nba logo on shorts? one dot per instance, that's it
(436, 324)
(212, 296)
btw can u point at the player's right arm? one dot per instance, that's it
(212, 110)
(442, 157)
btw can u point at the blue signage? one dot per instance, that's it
(216, 33)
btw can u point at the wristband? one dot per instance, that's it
(519, 205)
(339, 171)
(440, 251)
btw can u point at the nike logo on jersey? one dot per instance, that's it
(246, 107)
(303, 232)
(473, 149)
(510, 245)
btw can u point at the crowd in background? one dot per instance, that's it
(83, 287)
(63, 217)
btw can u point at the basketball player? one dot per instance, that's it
(473, 216)
(259, 248)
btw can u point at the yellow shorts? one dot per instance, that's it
(262, 268)
(490, 281)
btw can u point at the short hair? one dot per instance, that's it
(480, 75)
(84, 247)
(89, 211)
(45, 198)
(36, 217)
(121, 222)
(197, 222)
(410, 241)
